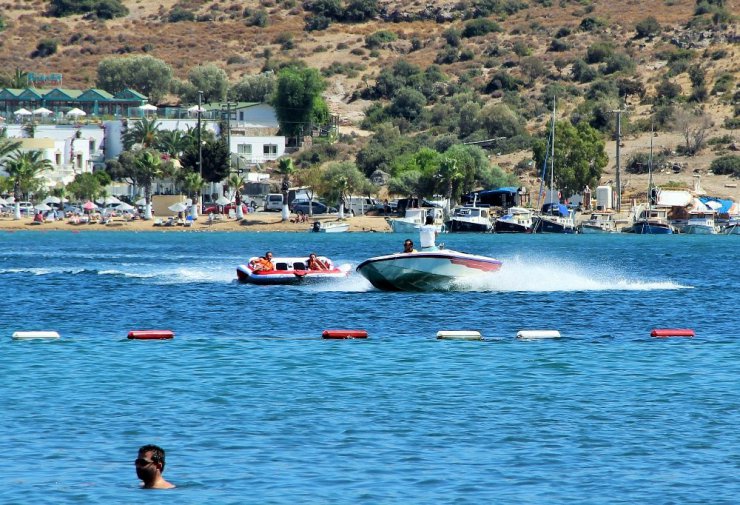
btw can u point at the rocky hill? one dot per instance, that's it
(536, 42)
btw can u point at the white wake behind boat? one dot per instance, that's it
(441, 270)
(291, 271)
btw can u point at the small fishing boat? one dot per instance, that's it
(291, 271)
(470, 218)
(414, 218)
(516, 220)
(599, 222)
(701, 222)
(733, 226)
(651, 222)
(329, 227)
(441, 270)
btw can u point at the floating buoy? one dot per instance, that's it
(459, 335)
(151, 334)
(671, 332)
(344, 334)
(35, 334)
(532, 334)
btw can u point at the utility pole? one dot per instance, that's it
(200, 153)
(619, 113)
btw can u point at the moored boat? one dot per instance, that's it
(516, 220)
(414, 218)
(599, 222)
(470, 218)
(701, 222)
(441, 270)
(329, 227)
(651, 222)
(291, 270)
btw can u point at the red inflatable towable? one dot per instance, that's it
(671, 332)
(344, 334)
(151, 334)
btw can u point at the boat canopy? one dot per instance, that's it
(555, 208)
(720, 205)
(500, 197)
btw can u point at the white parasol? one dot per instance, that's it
(222, 200)
(123, 206)
(77, 112)
(178, 207)
(196, 109)
(140, 201)
(108, 200)
(43, 111)
(23, 112)
(148, 107)
(42, 207)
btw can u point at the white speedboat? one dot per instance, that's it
(441, 270)
(329, 227)
(470, 218)
(733, 226)
(414, 218)
(291, 271)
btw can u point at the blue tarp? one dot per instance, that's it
(726, 204)
(555, 208)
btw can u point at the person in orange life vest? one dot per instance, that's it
(264, 263)
(315, 263)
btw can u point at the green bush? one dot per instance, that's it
(317, 23)
(648, 27)
(557, 45)
(582, 72)
(618, 62)
(599, 52)
(377, 39)
(726, 165)
(178, 14)
(724, 83)
(103, 9)
(480, 26)
(591, 24)
(360, 10)
(639, 163)
(46, 47)
(2, 24)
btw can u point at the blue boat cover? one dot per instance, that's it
(726, 204)
(555, 208)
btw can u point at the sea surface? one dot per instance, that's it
(252, 406)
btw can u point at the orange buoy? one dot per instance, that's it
(671, 332)
(151, 334)
(344, 334)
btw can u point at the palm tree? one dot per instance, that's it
(172, 142)
(19, 79)
(192, 183)
(449, 174)
(144, 132)
(286, 169)
(237, 182)
(24, 169)
(7, 146)
(148, 167)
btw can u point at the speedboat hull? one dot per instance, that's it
(461, 225)
(290, 271)
(425, 271)
(647, 228)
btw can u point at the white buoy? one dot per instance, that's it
(35, 334)
(459, 335)
(535, 334)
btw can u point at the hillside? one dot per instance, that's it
(245, 37)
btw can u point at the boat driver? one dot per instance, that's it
(264, 263)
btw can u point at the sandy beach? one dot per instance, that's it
(253, 222)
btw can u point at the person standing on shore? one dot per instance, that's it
(149, 467)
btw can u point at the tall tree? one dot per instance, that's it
(148, 166)
(297, 99)
(579, 156)
(145, 74)
(24, 169)
(211, 80)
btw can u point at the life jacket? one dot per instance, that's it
(263, 264)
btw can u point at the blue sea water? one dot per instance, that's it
(253, 407)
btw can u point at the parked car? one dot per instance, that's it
(26, 207)
(301, 207)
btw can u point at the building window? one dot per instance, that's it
(244, 149)
(92, 145)
(58, 158)
(269, 150)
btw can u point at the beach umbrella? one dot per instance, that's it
(108, 200)
(123, 206)
(222, 200)
(196, 109)
(51, 199)
(148, 107)
(178, 207)
(43, 111)
(42, 207)
(140, 201)
(22, 112)
(3, 201)
(77, 112)
(89, 205)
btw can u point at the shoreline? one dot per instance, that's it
(253, 222)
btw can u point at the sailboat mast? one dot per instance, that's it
(552, 154)
(650, 170)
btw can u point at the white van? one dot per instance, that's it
(274, 201)
(359, 205)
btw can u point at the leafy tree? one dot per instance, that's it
(87, 186)
(148, 167)
(44, 48)
(253, 88)
(383, 150)
(145, 74)
(191, 182)
(215, 155)
(171, 142)
(178, 13)
(579, 156)
(408, 103)
(103, 9)
(144, 132)
(599, 52)
(360, 10)
(480, 26)
(7, 146)
(406, 183)
(500, 121)
(582, 72)
(209, 79)
(342, 179)
(726, 165)
(297, 98)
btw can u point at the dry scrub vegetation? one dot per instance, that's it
(536, 44)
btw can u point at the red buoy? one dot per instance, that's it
(671, 332)
(151, 334)
(344, 334)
